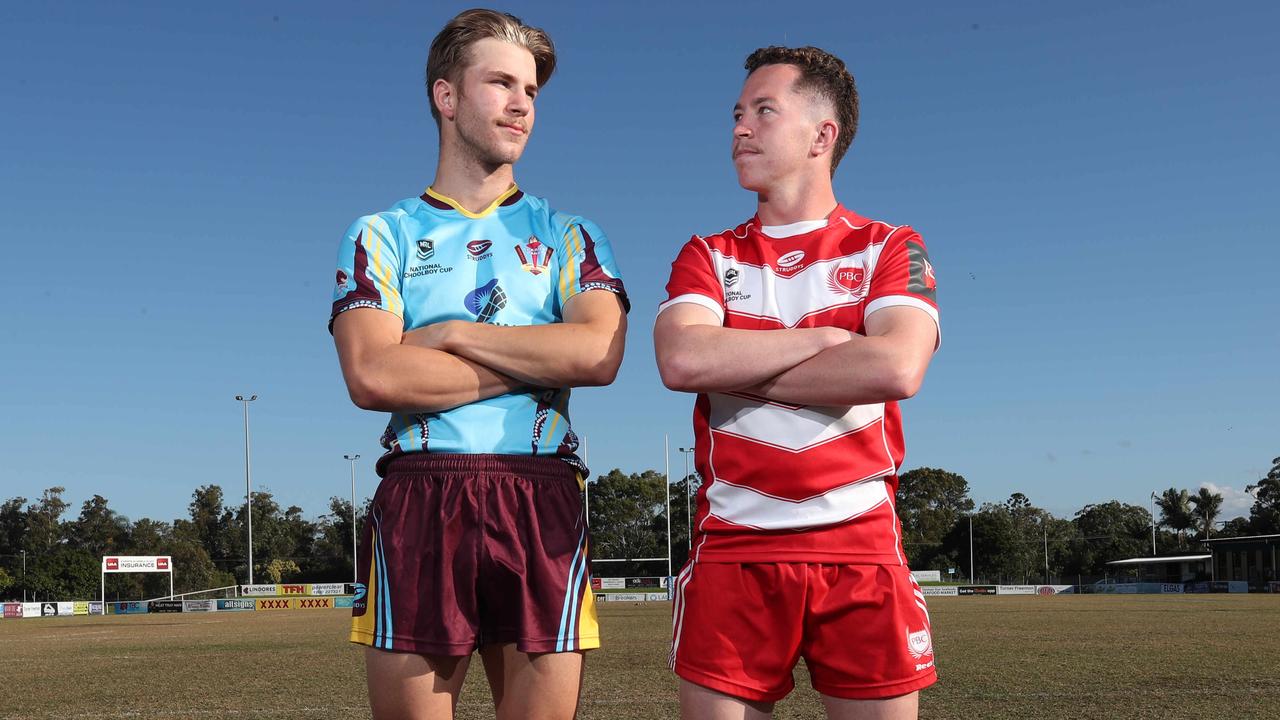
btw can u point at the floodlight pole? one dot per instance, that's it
(1153, 524)
(1046, 551)
(248, 481)
(666, 473)
(355, 575)
(973, 576)
(688, 489)
(24, 576)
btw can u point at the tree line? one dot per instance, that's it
(629, 515)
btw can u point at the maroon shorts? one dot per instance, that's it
(862, 630)
(461, 551)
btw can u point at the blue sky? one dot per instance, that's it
(1097, 186)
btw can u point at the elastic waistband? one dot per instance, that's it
(547, 467)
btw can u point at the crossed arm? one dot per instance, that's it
(800, 366)
(453, 363)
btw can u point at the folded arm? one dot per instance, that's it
(696, 354)
(887, 364)
(383, 374)
(585, 349)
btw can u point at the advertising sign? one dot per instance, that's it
(927, 575)
(315, 603)
(95, 607)
(136, 563)
(258, 590)
(595, 583)
(81, 608)
(626, 597)
(328, 589)
(1016, 590)
(976, 590)
(343, 601)
(48, 609)
(939, 591)
(198, 606)
(13, 610)
(166, 606)
(656, 597)
(295, 589)
(237, 604)
(613, 583)
(276, 603)
(127, 608)
(30, 610)
(66, 608)
(1055, 589)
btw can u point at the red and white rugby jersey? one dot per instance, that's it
(786, 483)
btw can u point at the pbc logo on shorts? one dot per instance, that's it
(731, 277)
(848, 280)
(479, 249)
(919, 644)
(426, 248)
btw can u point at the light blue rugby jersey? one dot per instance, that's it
(428, 260)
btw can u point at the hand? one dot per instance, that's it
(836, 336)
(436, 336)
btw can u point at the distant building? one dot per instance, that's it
(1253, 559)
(1171, 569)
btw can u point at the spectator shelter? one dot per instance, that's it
(1172, 569)
(1253, 559)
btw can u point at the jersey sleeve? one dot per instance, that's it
(369, 269)
(904, 276)
(587, 263)
(694, 280)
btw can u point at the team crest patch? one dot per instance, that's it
(534, 256)
(426, 248)
(919, 644)
(848, 280)
(731, 278)
(341, 286)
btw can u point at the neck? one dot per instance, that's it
(807, 198)
(471, 183)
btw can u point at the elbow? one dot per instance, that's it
(598, 375)
(904, 383)
(367, 395)
(677, 372)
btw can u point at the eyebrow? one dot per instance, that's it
(757, 102)
(503, 75)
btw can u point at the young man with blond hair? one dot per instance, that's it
(800, 330)
(468, 313)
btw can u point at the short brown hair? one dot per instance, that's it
(824, 75)
(448, 56)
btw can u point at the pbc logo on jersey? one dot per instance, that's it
(848, 280)
(426, 248)
(534, 256)
(478, 249)
(730, 278)
(791, 262)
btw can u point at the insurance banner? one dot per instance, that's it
(136, 563)
(237, 604)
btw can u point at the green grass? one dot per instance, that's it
(1166, 657)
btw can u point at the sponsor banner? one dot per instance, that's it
(198, 606)
(294, 589)
(1015, 589)
(30, 610)
(314, 603)
(237, 604)
(165, 606)
(66, 608)
(344, 601)
(927, 575)
(136, 563)
(329, 589)
(1171, 588)
(126, 608)
(613, 583)
(656, 597)
(81, 608)
(976, 590)
(1055, 589)
(95, 607)
(940, 591)
(13, 610)
(1219, 586)
(48, 609)
(595, 583)
(1273, 586)
(624, 597)
(276, 603)
(256, 590)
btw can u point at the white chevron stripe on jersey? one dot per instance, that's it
(795, 429)
(762, 292)
(743, 506)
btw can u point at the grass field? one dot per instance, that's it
(1207, 656)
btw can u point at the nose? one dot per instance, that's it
(519, 103)
(740, 129)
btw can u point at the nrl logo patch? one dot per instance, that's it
(426, 248)
(730, 278)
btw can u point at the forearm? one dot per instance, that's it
(402, 378)
(862, 371)
(708, 358)
(563, 354)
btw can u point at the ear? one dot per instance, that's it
(444, 98)
(824, 139)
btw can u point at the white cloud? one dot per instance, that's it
(1235, 503)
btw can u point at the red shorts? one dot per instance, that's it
(863, 630)
(461, 551)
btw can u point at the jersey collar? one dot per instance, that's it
(444, 202)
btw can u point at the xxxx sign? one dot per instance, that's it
(315, 603)
(276, 604)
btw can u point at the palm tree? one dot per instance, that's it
(1207, 506)
(1175, 509)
